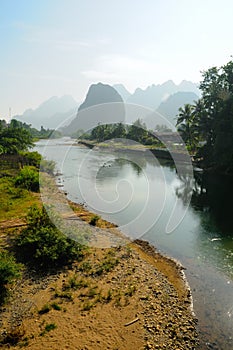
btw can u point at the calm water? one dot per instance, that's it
(139, 194)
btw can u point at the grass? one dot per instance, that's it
(85, 266)
(74, 283)
(107, 265)
(56, 306)
(87, 306)
(64, 295)
(92, 292)
(48, 328)
(15, 202)
(47, 307)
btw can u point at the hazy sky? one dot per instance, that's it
(57, 47)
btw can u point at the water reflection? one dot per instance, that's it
(212, 201)
(203, 241)
(214, 195)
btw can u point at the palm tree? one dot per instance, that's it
(187, 124)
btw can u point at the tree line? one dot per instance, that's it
(137, 131)
(17, 136)
(207, 125)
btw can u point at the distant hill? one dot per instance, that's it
(165, 98)
(186, 85)
(100, 93)
(125, 94)
(169, 108)
(51, 112)
(154, 95)
(102, 96)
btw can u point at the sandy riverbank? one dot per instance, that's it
(140, 301)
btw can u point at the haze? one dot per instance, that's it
(57, 47)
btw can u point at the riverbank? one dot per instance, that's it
(160, 153)
(139, 300)
(132, 306)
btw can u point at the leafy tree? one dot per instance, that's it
(207, 126)
(188, 126)
(14, 138)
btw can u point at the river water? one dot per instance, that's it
(139, 194)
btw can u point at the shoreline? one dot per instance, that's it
(143, 302)
(151, 251)
(158, 152)
(86, 215)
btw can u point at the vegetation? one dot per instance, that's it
(28, 178)
(137, 132)
(43, 245)
(48, 327)
(9, 271)
(94, 220)
(207, 125)
(17, 136)
(14, 137)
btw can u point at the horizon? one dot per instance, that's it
(56, 48)
(7, 118)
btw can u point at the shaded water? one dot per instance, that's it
(116, 186)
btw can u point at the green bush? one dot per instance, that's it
(94, 220)
(28, 178)
(31, 158)
(42, 244)
(36, 160)
(9, 271)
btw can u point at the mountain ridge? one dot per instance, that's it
(57, 110)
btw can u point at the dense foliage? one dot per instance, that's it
(207, 125)
(17, 136)
(43, 245)
(137, 132)
(14, 137)
(28, 178)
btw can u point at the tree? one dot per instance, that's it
(207, 126)
(188, 126)
(14, 138)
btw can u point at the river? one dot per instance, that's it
(138, 194)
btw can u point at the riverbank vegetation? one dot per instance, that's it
(207, 125)
(31, 238)
(51, 286)
(16, 136)
(137, 132)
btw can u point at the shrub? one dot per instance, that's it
(31, 158)
(28, 178)
(55, 306)
(42, 244)
(9, 271)
(45, 309)
(94, 220)
(48, 327)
